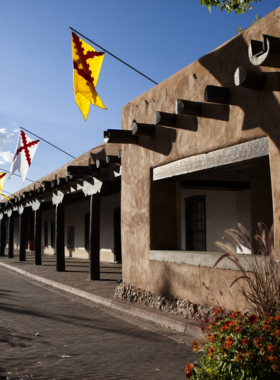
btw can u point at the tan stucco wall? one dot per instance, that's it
(252, 115)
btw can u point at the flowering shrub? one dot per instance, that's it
(239, 346)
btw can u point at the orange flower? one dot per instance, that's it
(276, 368)
(196, 346)
(270, 319)
(272, 359)
(258, 342)
(277, 332)
(277, 318)
(266, 326)
(235, 315)
(250, 355)
(229, 342)
(211, 351)
(218, 311)
(188, 370)
(237, 330)
(226, 325)
(212, 325)
(239, 357)
(245, 341)
(270, 348)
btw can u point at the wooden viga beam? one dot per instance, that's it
(101, 164)
(119, 136)
(141, 129)
(165, 119)
(71, 180)
(113, 159)
(78, 170)
(47, 185)
(254, 80)
(216, 94)
(206, 110)
(265, 52)
(61, 181)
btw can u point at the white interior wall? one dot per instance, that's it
(224, 209)
(74, 216)
(47, 215)
(108, 204)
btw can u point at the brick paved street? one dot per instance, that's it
(46, 334)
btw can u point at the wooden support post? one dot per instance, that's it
(216, 94)
(22, 236)
(11, 236)
(94, 237)
(187, 107)
(59, 237)
(2, 236)
(249, 79)
(141, 129)
(37, 236)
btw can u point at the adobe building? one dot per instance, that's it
(199, 154)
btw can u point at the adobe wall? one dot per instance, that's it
(253, 114)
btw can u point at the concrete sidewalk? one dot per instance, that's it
(75, 280)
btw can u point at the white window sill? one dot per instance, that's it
(203, 259)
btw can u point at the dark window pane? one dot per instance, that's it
(195, 223)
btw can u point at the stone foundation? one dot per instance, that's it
(184, 308)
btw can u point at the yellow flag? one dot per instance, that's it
(87, 64)
(2, 180)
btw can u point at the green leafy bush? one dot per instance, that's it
(238, 346)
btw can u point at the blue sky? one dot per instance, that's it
(157, 37)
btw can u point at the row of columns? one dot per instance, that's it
(94, 234)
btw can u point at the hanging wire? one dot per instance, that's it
(139, 72)
(4, 191)
(47, 142)
(30, 180)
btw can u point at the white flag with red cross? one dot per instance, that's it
(25, 150)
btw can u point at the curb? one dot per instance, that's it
(182, 326)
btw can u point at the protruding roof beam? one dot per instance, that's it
(81, 170)
(165, 119)
(250, 79)
(54, 183)
(119, 136)
(47, 185)
(207, 110)
(113, 159)
(187, 107)
(61, 181)
(266, 52)
(216, 94)
(101, 164)
(141, 129)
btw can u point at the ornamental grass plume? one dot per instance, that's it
(260, 272)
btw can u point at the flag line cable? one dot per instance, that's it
(94, 43)
(30, 180)
(47, 142)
